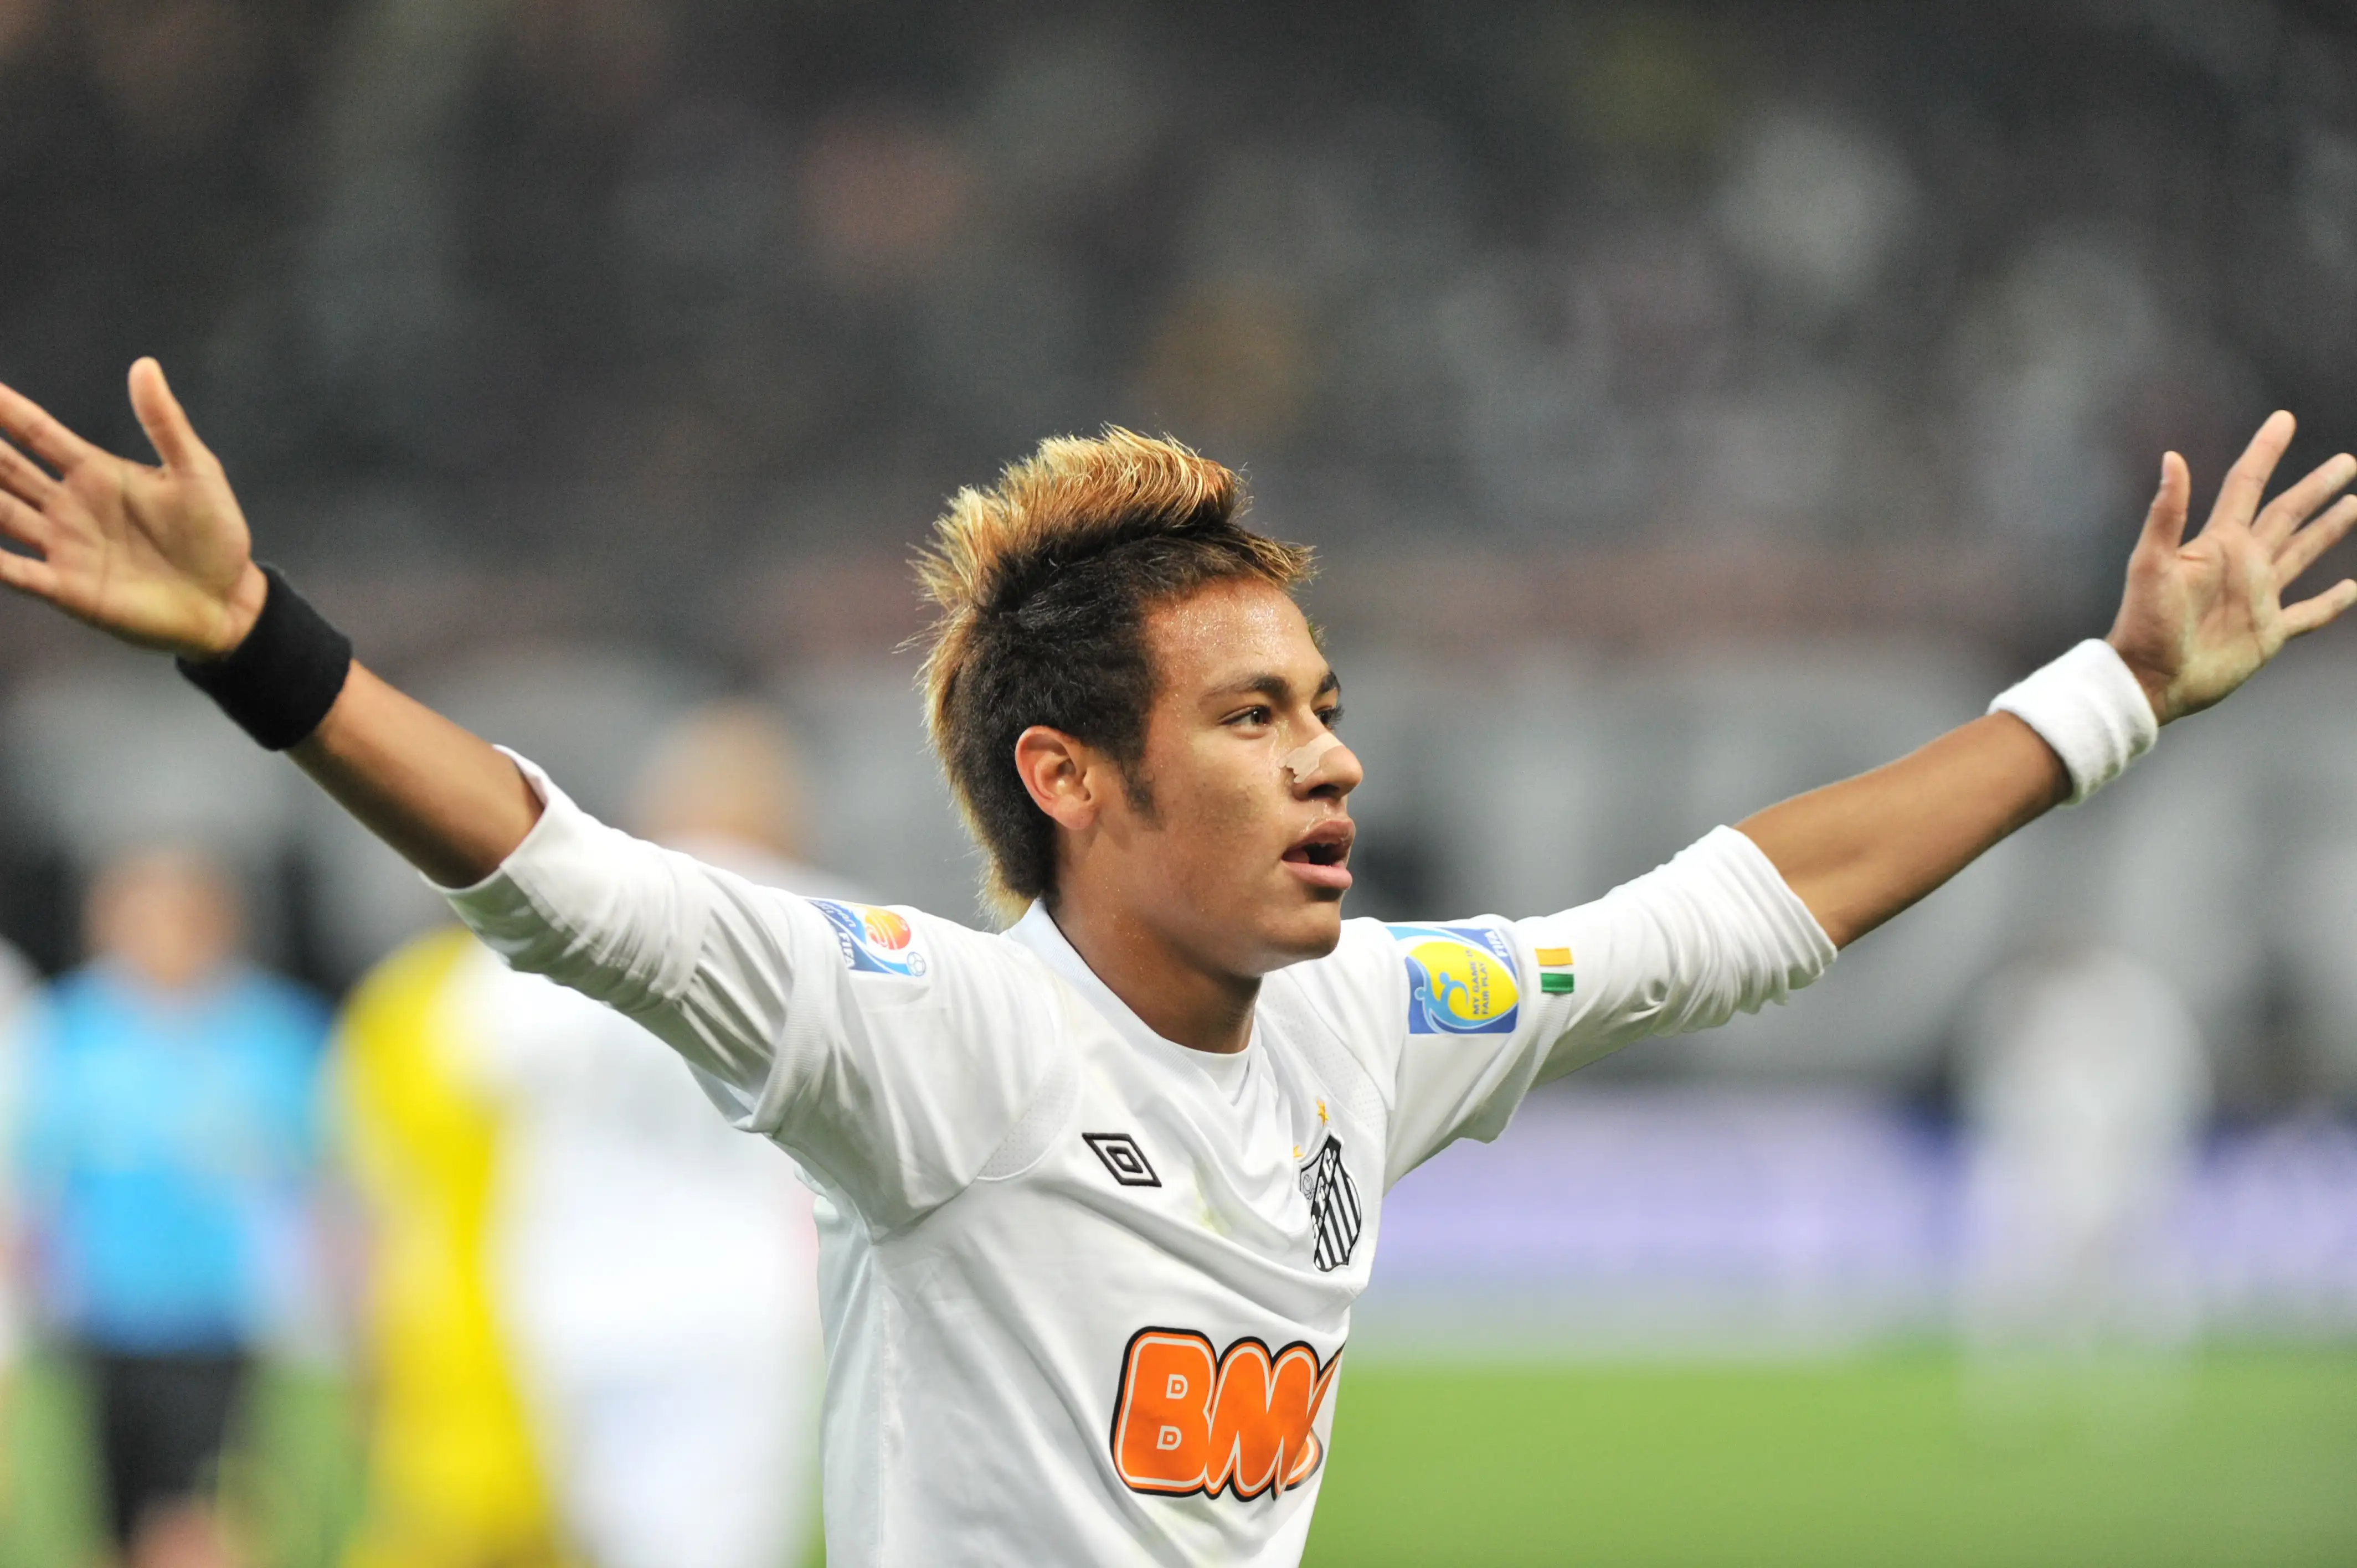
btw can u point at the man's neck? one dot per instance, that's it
(1171, 992)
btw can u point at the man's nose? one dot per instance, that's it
(1323, 766)
(1343, 769)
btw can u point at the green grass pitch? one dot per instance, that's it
(2249, 1459)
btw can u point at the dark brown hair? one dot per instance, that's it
(1043, 582)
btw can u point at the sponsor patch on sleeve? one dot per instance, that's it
(1461, 979)
(874, 939)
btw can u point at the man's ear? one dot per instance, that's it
(1058, 771)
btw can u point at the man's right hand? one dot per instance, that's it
(157, 556)
(160, 557)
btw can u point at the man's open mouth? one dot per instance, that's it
(1319, 856)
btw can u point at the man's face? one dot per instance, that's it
(1241, 860)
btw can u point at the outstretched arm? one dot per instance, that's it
(2197, 620)
(160, 557)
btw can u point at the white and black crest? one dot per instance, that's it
(1333, 1205)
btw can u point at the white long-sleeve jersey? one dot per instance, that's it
(1086, 1291)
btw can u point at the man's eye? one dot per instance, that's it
(1253, 716)
(1330, 717)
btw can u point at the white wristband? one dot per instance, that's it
(2091, 709)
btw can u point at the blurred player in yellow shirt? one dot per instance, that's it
(455, 1477)
(593, 1316)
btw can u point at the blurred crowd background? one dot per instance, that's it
(1691, 404)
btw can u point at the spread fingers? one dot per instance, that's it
(2307, 615)
(30, 427)
(2299, 502)
(2246, 481)
(25, 525)
(24, 479)
(28, 574)
(2299, 552)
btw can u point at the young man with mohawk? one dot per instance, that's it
(1101, 1190)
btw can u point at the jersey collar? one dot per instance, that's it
(1038, 930)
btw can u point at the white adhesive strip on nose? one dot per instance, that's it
(1304, 762)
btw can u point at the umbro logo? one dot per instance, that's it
(1123, 1157)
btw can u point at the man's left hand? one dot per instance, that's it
(2199, 618)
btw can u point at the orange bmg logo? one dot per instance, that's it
(1189, 1422)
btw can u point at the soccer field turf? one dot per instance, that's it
(2252, 1460)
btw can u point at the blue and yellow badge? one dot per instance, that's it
(1461, 979)
(873, 939)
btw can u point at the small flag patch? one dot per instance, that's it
(1555, 984)
(1555, 958)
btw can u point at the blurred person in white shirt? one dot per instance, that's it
(657, 1268)
(2086, 1093)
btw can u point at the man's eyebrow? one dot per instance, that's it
(1275, 687)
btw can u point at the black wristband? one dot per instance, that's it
(281, 680)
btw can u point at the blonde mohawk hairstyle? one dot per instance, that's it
(1043, 582)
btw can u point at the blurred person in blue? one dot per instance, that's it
(658, 1271)
(165, 1145)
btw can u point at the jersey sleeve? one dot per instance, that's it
(1487, 1007)
(887, 1051)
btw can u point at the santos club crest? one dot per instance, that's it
(1334, 1213)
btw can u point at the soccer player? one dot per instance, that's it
(166, 1143)
(657, 1271)
(1100, 1189)
(456, 1476)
